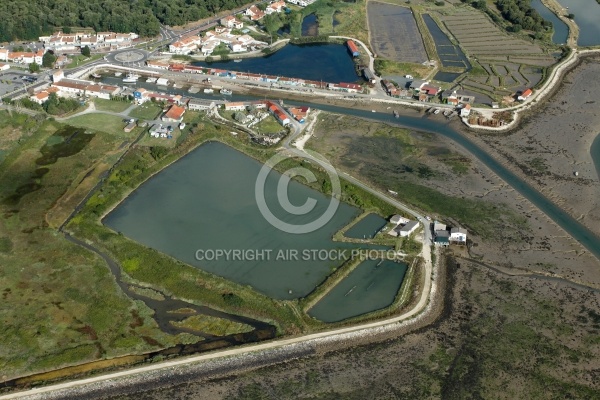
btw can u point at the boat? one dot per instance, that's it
(131, 78)
(237, 60)
(396, 115)
(151, 80)
(226, 91)
(437, 111)
(208, 91)
(118, 73)
(96, 76)
(447, 112)
(576, 173)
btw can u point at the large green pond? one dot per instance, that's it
(205, 203)
(371, 286)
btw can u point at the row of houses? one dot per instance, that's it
(275, 109)
(62, 42)
(256, 14)
(22, 57)
(301, 3)
(443, 235)
(280, 80)
(64, 87)
(212, 39)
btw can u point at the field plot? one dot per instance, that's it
(504, 64)
(479, 37)
(394, 33)
(450, 55)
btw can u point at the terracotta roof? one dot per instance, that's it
(175, 112)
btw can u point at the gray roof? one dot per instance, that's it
(442, 233)
(410, 225)
(458, 230)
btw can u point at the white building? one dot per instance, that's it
(458, 235)
(231, 22)
(407, 229)
(398, 219)
(200, 105)
(465, 111)
(186, 45)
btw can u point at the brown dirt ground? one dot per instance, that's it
(554, 141)
(498, 336)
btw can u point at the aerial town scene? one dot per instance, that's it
(300, 199)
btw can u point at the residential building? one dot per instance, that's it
(438, 226)
(299, 113)
(441, 238)
(458, 235)
(407, 229)
(174, 114)
(185, 45)
(275, 7)
(200, 105)
(157, 64)
(235, 106)
(72, 87)
(398, 219)
(232, 22)
(254, 13)
(525, 95)
(465, 111)
(345, 87)
(4, 67)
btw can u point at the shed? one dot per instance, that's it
(398, 219)
(162, 82)
(352, 48)
(408, 228)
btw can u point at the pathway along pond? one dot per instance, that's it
(579, 232)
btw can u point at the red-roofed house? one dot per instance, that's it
(526, 93)
(465, 111)
(231, 22)
(275, 7)
(175, 114)
(345, 87)
(254, 13)
(429, 90)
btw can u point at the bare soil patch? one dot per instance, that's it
(394, 33)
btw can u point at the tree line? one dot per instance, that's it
(29, 19)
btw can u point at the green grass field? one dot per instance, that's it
(60, 304)
(111, 105)
(100, 122)
(148, 111)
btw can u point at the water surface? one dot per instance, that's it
(205, 202)
(371, 286)
(367, 227)
(561, 30)
(587, 17)
(327, 62)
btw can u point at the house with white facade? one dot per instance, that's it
(458, 235)
(186, 45)
(254, 13)
(231, 22)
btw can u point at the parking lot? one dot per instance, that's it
(12, 80)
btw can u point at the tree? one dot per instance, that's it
(34, 67)
(571, 16)
(48, 60)
(86, 51)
